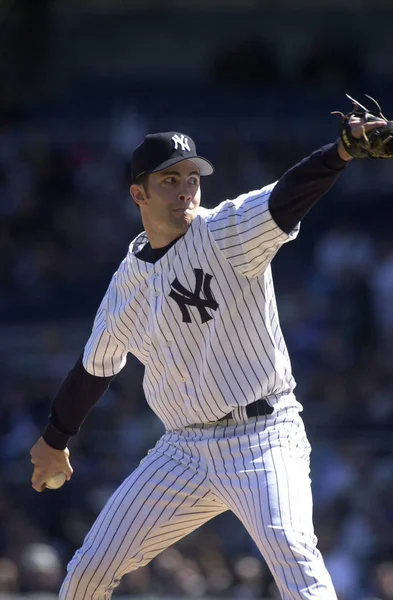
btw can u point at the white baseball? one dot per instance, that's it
(55, 482)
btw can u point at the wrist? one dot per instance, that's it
(343, 154)
(54, 438)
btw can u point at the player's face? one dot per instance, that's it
(170, 203)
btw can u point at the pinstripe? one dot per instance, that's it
(119, 315)
(145, 519)
(100, 523)
(96, 350)
(269, 553)
(241, 208)
(163, 410)
(289, 505)
(249, 247)
(271, 337)
(245, 507)
(271, 521)
(279, 494)
(106, 351)
(244, 329)
(155, 401)
(218, 342)
(237, 507)
(257, 262)
(207, 516)
(162, 413)
(176, 509)
(222, 492)
(244, 230)
(114, 531)
(253, 512)
(206, 364)
(238, 363)
(262, 344)
(198, 392)
(235, 329)
(165, 319)
(135, 326)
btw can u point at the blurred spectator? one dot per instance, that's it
(250, 574)
(9, 576)
(382, 289)
(344, 249)
(343, 567)
(382, 580)
(40, 568)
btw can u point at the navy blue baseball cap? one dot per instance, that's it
(159, 151)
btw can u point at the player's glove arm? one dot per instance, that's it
(300, 188)
(77, 395)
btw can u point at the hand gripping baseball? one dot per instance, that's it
(51, 467)
(376, 132)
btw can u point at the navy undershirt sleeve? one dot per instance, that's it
(77, 395)
(300, 188)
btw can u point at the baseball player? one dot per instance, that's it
(194, 301)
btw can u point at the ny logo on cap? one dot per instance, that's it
(183, 141)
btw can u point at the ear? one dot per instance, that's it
(138, 194)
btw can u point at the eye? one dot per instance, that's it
(194, 181)
(170, 179)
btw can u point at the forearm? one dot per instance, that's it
(77, 395)
(300, 188)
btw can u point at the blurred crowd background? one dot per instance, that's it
(254, 83)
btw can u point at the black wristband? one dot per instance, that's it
(54, 438)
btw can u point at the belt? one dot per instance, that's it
(259, 408)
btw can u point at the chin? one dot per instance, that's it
(184, 221)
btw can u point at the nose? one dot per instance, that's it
(184, 196)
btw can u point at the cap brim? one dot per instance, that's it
(205, 166)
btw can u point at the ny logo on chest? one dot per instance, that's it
(185, 298)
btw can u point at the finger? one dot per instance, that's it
(374, 125)
(38, 484)
(69, 470)
(387, 140)
(38, 488)
(38, 477)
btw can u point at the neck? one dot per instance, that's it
(161, 239)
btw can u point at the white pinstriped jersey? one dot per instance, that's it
(203, 319)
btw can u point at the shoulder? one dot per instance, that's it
(235, 206)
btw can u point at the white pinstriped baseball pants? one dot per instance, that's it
(258, 469)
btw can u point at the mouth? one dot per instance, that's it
(184, 209)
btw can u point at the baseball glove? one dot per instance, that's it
(376, 143)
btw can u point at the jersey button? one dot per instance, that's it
(183, 379)
(156, 293)
(169, 343)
